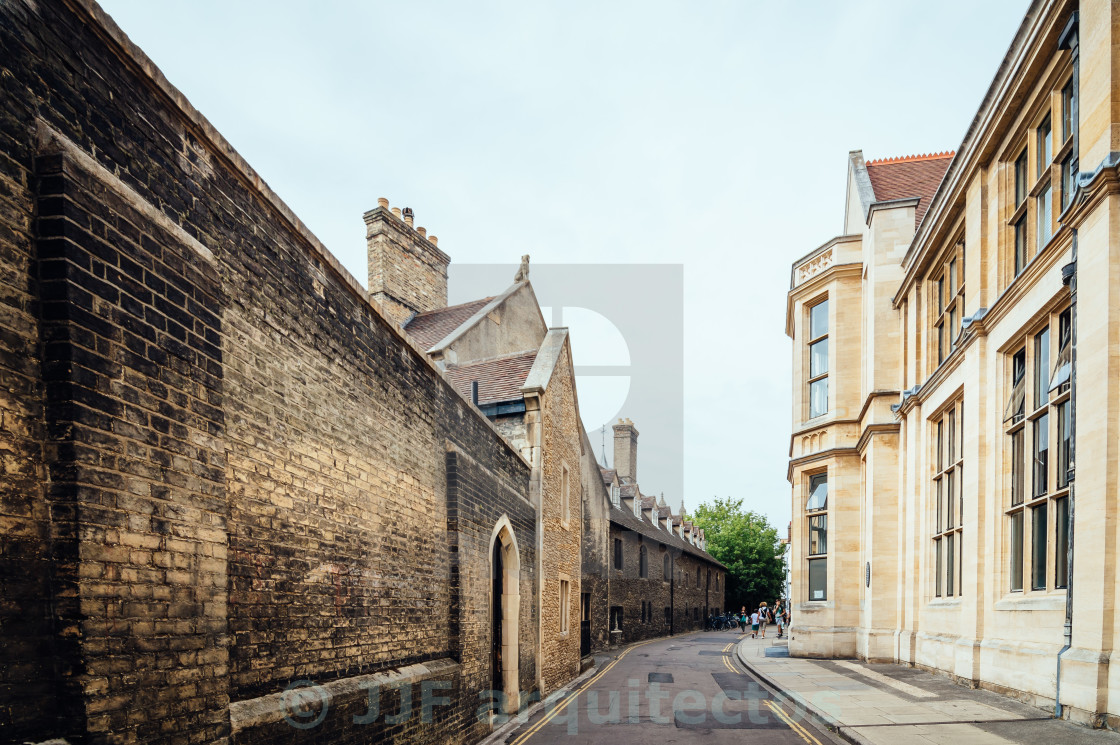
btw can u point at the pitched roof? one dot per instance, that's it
(429, 328)
(608, 474)
(908, 177)
(627, 519)
(499, 379)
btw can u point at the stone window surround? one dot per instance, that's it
(809, 477)
(565, 495)
(811, 340)
(947, 302)
(1050, 181)
(565, 604)
(1042, 495)
(947, 499)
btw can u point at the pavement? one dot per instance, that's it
(887, 704)
(682, 689)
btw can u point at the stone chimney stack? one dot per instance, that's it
(626, 449)
(407, 272)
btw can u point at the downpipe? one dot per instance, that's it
(1069, 39)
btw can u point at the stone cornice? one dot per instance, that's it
(870, 399)
(815, 283)
(1028, 278)
(890, 205)
(1040, 19)
(1092, 189)
(875, 429)
(819, 455)
(816, 252)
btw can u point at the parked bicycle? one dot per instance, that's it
(724, 622)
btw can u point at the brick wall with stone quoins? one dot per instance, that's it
(223, 469)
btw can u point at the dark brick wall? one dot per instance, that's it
(595, 546)
(223, 471)
(688, 600)
(474, 509)
(133, 389)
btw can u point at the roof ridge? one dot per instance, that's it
(498, 358)
(911, 158)
(453, 307)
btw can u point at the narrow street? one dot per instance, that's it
(682, 689)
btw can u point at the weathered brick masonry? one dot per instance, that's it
(223, 469)
(676, 601)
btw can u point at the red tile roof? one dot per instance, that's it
(907, 177)
(429, 329)
(499, 379)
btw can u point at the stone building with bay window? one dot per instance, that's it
(948, 346)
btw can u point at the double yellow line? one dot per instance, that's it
(795, 726)
(777, 709)
(575, 694)
(727, 660)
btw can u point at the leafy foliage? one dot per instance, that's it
(746, 543)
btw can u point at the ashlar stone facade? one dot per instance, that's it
(954, 359)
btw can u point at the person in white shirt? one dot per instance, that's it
(754, 624)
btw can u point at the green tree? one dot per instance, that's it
(746, 543)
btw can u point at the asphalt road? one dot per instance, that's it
(684, 689)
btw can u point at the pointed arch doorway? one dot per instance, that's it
(505, 604)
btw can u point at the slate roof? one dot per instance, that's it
(499, 379)
(625, 518)
(430, 328)
(608, 474)
(908, 177)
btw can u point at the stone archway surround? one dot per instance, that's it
(511, 606)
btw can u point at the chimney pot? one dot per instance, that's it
(397, 211)
(422, 231)
(408, 214)
(383, 203)
(434, 240)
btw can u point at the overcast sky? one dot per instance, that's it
(708, 134)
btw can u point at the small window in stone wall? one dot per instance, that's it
(564, 604)
(565, 493)
(666, 568)
(616, 618)
(618, 553)
(643, 569)
(668, 614)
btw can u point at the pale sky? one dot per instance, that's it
(709, 134)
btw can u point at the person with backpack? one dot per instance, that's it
(779, 618)
(763, 619)
(743, 621)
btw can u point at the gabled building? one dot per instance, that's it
(499, 354)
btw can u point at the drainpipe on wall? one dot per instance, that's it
(1069, 40)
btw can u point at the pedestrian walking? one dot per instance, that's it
(743, 621)
(754, 624)
(763, 619)
(779, 618)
